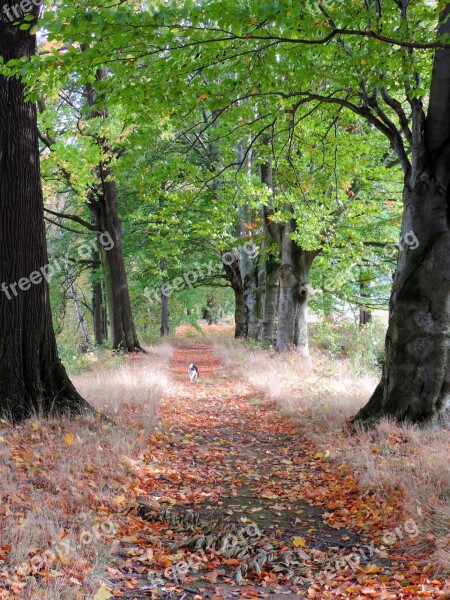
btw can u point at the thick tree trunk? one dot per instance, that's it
(164, 326)
(272, 264)
(97, 312)
(164, 329)
(415, 384)
(32, 378)
(106, 212)
(240, 314)
(97, 300)
(248, 261)
(233, 274)
(294, 285)
(364, 317)
(268, 333)
(121, 323)
(248, 269)
(295, 293)
(86, 345)
(255, 308)
(211, 308)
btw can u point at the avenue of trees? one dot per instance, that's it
(248, 155)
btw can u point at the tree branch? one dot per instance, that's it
(74, 218)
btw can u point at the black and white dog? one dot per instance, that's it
(193, 372)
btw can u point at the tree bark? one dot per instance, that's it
(295, 293)
(268, 333)
(271, 264)
(415, 383)
(97, 302)
(32, 378)
(364, 317)
(256, 315)
(233, 275)
(248, 262)
(121, 323)
(211, 310)
(106, 212)
(248, 268)
(240, 314)
(164, 329)
(85, 347)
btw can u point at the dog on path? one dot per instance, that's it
(193, 372)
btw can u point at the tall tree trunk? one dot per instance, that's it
(211, 308)
(272, 281)
(164, 329)
(97, 300)
(106, 212)
(121, 323)
(32, 378)
(248, 262)
(97, 312)
(240, 313)
(256, 316)
(415, 384)
(233, 274)
(295, 292)
(81, 322)
(271, 263)
(365, 316)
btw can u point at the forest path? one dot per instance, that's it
(235, 494)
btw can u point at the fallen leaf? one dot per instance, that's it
(69, 437)
(299, 542)
(103, 593)
(370, 568)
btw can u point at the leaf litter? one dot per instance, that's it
(235, 501)
(226, 498)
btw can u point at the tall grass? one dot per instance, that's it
(63, 482)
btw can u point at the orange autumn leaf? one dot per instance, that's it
(69, 437)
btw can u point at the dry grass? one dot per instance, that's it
(219, 330)
(322, 394)
(137, 385)
(323, 390)
(62, 482)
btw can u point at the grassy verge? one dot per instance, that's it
(63, 482)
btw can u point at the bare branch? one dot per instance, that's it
(74, 218)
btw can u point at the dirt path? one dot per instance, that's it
(239, 504)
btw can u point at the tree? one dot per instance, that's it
(87, 137)
(368, 65)
(32, 378)
(415, 383)
(282, 60)
(104, 206)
